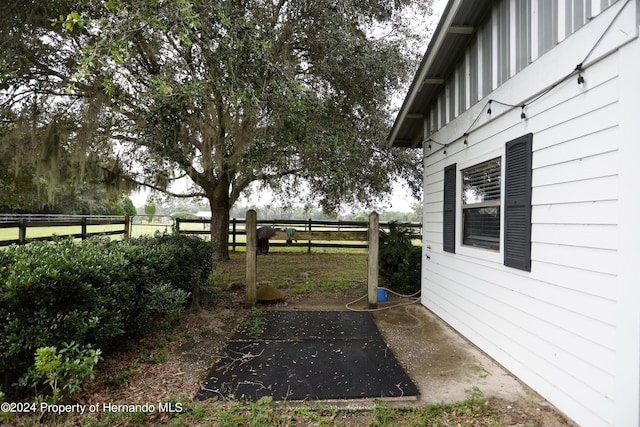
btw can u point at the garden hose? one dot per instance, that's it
(413, 298)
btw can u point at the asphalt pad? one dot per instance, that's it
(298, 355)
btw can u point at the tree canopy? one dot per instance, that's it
(291, 93)
(53, 155)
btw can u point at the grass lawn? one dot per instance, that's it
(327, 273)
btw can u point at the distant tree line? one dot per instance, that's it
(298, 212)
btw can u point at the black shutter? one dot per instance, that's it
(517, 209)
(449, 210)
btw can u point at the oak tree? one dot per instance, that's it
(291, 93)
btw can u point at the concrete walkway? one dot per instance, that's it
(442, 364)
(445, 366)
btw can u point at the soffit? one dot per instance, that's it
(457, 26)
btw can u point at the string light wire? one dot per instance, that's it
(579, 69)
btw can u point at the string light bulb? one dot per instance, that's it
(466, 144)
(579, 70)
(489, 109)
(523, 116)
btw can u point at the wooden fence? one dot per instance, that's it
(371, 236)
(20, 229)
(75, 226)
(306, 233)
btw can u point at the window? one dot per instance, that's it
(481, 205)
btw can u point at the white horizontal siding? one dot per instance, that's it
(588, 190)
(601, 261)
(528, 337)
(577, 235)
(589, 212)
(555, 327)
(556, 305)
(578, 169)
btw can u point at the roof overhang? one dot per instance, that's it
(457, 25)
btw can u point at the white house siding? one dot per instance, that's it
(569, 328)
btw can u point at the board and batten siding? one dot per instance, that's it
(558, 327)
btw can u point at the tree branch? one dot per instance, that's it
(169, 193)
(276, 14)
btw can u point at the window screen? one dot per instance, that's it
(481, 205)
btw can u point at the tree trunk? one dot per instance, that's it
(220, 205)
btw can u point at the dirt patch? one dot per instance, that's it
(157, 368)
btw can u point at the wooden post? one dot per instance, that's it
(83, 224)
(22, 232)
(233, 238)
(372, 261)
(252, 259)
(309, 242)
(127, 227)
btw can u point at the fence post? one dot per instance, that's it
(22, 232)
(83, 224)
(252, 260)
(372, 260)
(233, 236)
(309, 242)
(177, 225)
(127, 227)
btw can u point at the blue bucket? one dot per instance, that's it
(382, 294)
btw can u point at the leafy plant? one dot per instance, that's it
(400, 261)
(5, 415)
(254, 323)
(164, 299)
(63, 371)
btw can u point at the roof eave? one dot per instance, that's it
(446, 32)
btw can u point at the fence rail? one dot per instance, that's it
(75, 226)
(309, 233)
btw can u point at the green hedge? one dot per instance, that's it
(93, 292)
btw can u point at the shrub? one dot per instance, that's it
(181, 260)
(400, 261)
(163, 299)
(91, 293)
(60, 292)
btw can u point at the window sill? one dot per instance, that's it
(491, 255)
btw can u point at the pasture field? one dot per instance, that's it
(163, 224)
(137, 230)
